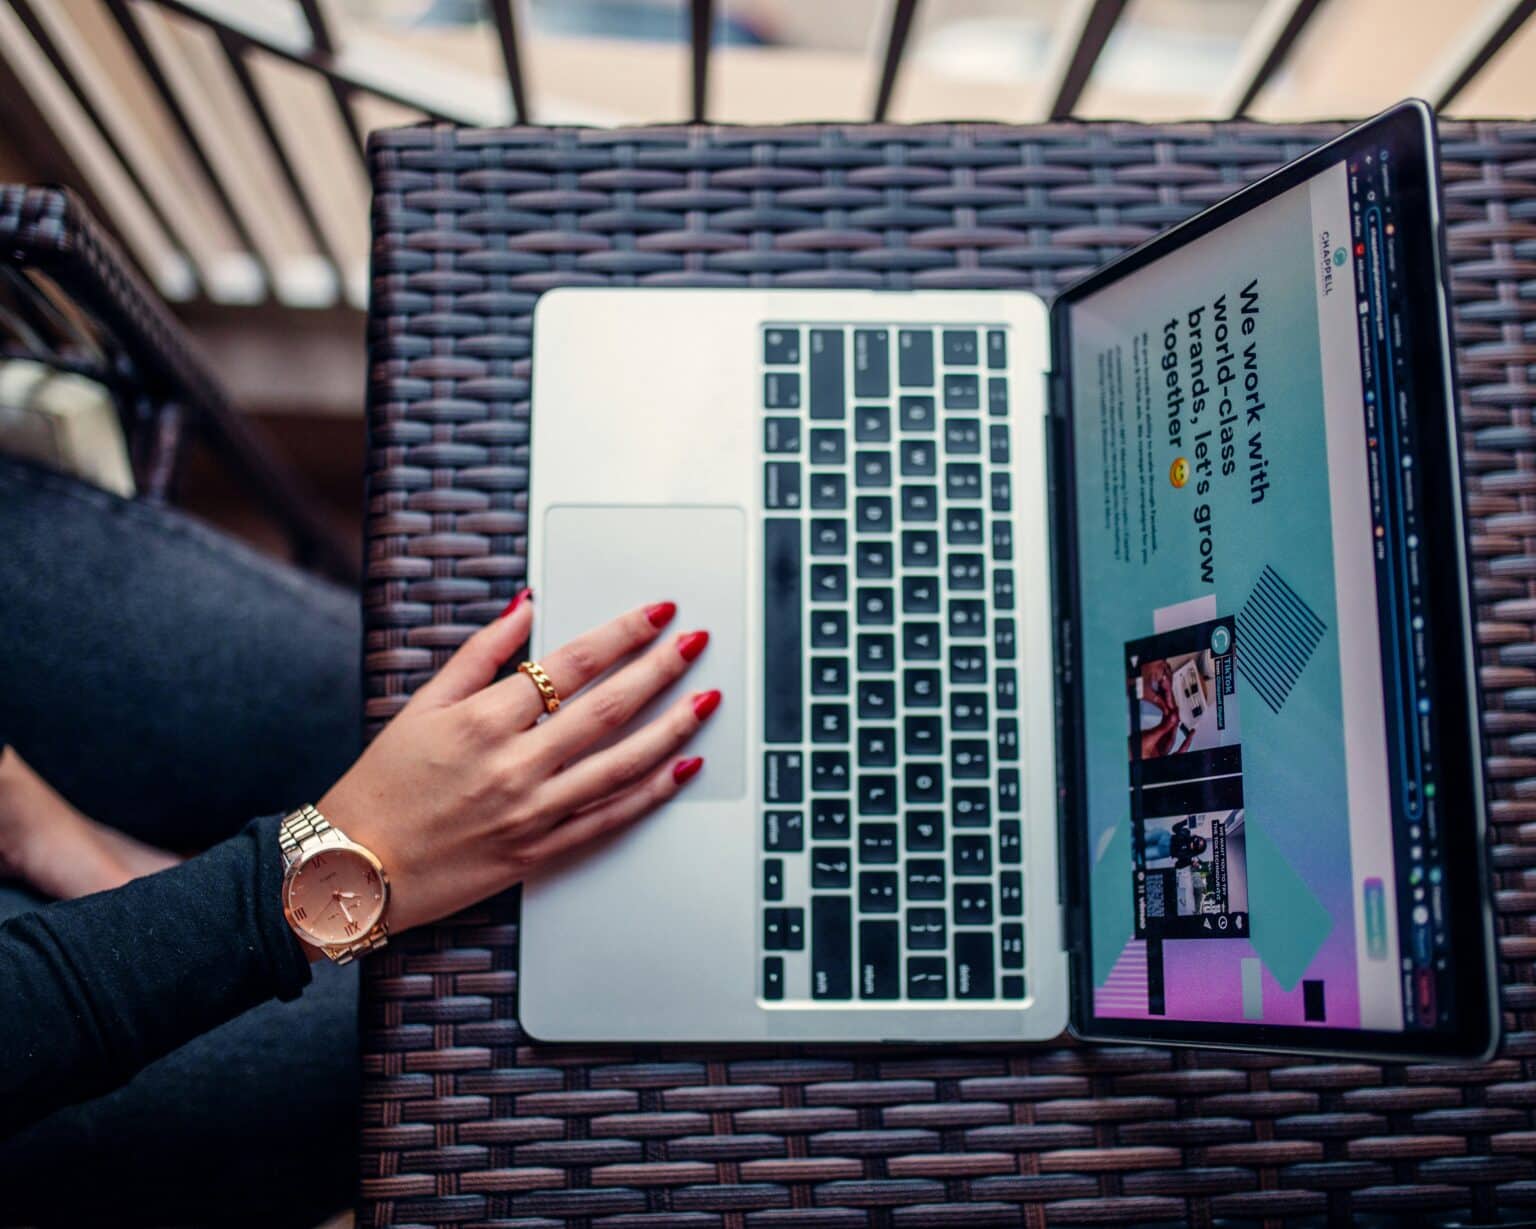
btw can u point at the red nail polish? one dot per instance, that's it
(660, 614)
(684, 769)
(704, 703)
(691, 644)
(523, 596)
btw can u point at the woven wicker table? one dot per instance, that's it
(466, 1122)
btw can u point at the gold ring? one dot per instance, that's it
(541, 680)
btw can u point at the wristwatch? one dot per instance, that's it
(335, 891)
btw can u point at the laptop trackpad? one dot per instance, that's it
(600, 561)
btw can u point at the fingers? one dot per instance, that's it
(609, 706)
(575, 664)
(479, 658)
(616, 768)
(614, 813)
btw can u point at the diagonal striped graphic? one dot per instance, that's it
(1277, 634)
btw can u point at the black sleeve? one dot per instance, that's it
(93, 989)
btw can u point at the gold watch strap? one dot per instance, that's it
(299, 830)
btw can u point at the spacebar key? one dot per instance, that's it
(831, 947)
(781, 631)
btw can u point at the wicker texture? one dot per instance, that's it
(466, 1122)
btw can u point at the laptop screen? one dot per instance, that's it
(1263, 831)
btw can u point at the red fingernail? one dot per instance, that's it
(661, 613)
(704, 703)
(523, 596)
(684, 769)
(691, 644)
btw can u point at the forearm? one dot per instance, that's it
(96, 988)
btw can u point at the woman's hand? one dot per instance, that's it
(466, 791)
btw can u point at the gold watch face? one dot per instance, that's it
(334, 896)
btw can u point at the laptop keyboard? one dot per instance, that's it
(891, 829)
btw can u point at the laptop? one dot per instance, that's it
(1105, 666)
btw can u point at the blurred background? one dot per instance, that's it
(221, 140)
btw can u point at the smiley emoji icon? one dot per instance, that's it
(1178, 472)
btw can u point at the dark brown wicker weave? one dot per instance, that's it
(466, 1122)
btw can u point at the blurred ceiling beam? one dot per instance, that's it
(318, 17)
(701, 26)
(1274, 33)
(1494, 26)
(900, 30)
(1080, 37)
(504, 14)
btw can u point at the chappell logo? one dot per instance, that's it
(1330, 258)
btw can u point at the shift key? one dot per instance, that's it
(831, 943)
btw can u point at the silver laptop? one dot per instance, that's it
(963, 786)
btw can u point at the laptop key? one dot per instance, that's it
(828, 446)
(914, 358)
(971, 855)
(1007, 739)
(773, 879)
(871, 363)
(962, 392)
(1008, 793)
(829, 676)
(1005, 639)
(829, 772)
(919, 594)
(781, 347)
(997, 444)
(874, 513)
(925, 831)
(831, 941)
(927, 977)
(997, 397)
(970, 759)
(879, 892)
(968, 710)
(959, 348)
(1002, 588)
(877, 844)
(826, 373)
(967, 618)
(829, 492)
(918, 459)
(973, 965)
(872, 424)
(783, 930)
(973, 904)
(963, 527)
(828, 536)
(781, 484)
(925, 879)
(924, 735)
(877, 794)
(781, 390)
(919, 503)
(1010, 894)
(783, 831)
(829, 629)
(875, 606)
(1010, 947)
(879, 960)
(877, 652)
(962, 436)
(925, 782)
(920, 688)
(920, 641)
(1013, 985)
(967, 572)
(874, 561)
(1007, 689)
(968, 663)
(970, 806)
(926, 931)
(783, 776)
(781, 435)
(1002, 539)
(782, 580)
(877, 746)
(1002, 493)
(917, 414)
(919, 548)
(962, 480)
(831, 866)
(829, 723)
(877, 699)
(997, 349)
(830, 819)
(1010, 842)
(773, 978)
(829, 582)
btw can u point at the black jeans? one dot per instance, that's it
(174, 684)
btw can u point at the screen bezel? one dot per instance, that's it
(1410, 129)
